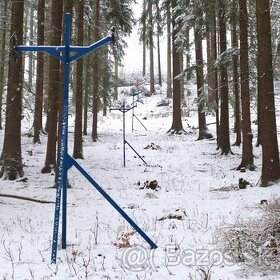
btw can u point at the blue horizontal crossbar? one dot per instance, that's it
(59, 52)
(111, 201)
(82, 51)
(52, 50)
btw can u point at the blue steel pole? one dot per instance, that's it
(113, 203)
(124, 141)
(61, 183)
(132, 110)
(64, 132)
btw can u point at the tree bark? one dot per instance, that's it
(30, 56)
(12, 159)
(54, 88)
(212, 71)
(38, 126)
(270, 152)
(224, 140)
(177, 126)
(87, 88)
(169, 65)
(203, 130)
(247, 136)
(78, 133)
(116, 79)
(2, 56)
(144, 39)
(95, 73)
(235, 78)
(158, 44)
(151, 47)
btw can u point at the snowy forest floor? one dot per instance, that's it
(197, 199)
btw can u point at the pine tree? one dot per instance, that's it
(4, 19)
(270, 152)
(224, 140)
(95, 102)
(169, 51)
(12, 159)
(235, 75)
(158, 34)
(151, 45)
(54, 87)
(38, 126)
(78, 132)
(177, 126)
(203, 130)
(247, 136)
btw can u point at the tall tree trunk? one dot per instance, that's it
(235, 78)
(54, 88)
(203, 130)
(87, 87)
(270, 152)
(12, 159)
(78, 133)
(105, 82)
(144, 39)
(182, 86)
(224, 140)
(212, 71)
(31, 38)
(188, 56)
(2, 55)
(169, 66)
(247, 136)
(116, 79)
(177, 126)
(188, 76)
(39, 74)
(158, 44)
(151, 47)
(159, 62)
(95, 74)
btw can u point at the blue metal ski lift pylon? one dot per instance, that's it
(133, 115)
(68, 54)
(125, 109)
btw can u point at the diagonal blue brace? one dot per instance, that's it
(68, 54)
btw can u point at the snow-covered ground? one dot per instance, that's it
(185, 216)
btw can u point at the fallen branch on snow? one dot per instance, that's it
(26, 198)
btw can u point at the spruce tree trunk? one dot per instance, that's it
(182, 87)
(158, 44)
(54, 88)
(95, 104)
(87, 89)
(247, 136)
(30, 56)
(116, 79)
(212, 71)
(144, 40)
(151, 47)
(203, 130)
(159, 62)
(235, 78)
(169, 66)
(12, 159)
(38, 126)
(78, 133)
(2, 55)
(224, 140)
(177, 126)
(270, 152)
(105, 82)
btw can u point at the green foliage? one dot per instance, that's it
(225, 59)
